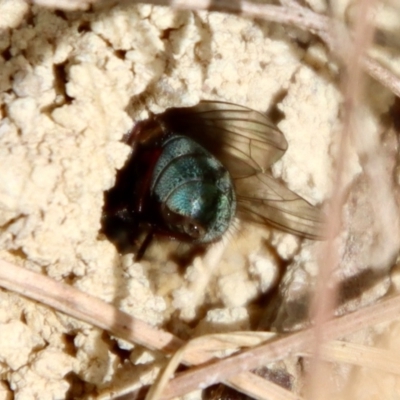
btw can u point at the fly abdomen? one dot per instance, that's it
(194, 190)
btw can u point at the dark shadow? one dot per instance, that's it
(233, 7)
(394, 114)
(221, 392)
(348, 290)
(79, 388)
(274, 113)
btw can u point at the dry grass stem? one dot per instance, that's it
(382, 74)
(98, 313)
(67, 299)
(356, 354)
(205, 345)
(324, 301)
(84, 307)
(386, 310)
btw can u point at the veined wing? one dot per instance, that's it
(244, 140)
(262, 199)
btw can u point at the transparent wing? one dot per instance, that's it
(248, 143)
(244, 140)
(262, 199)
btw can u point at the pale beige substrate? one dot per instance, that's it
(71, 85)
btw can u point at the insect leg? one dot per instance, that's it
(145, 244)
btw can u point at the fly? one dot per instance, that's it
(193, 169)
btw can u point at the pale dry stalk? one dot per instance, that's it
(231, 371)
(324, 302)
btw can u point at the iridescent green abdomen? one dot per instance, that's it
(194, 189)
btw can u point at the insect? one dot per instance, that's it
(192, 170)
